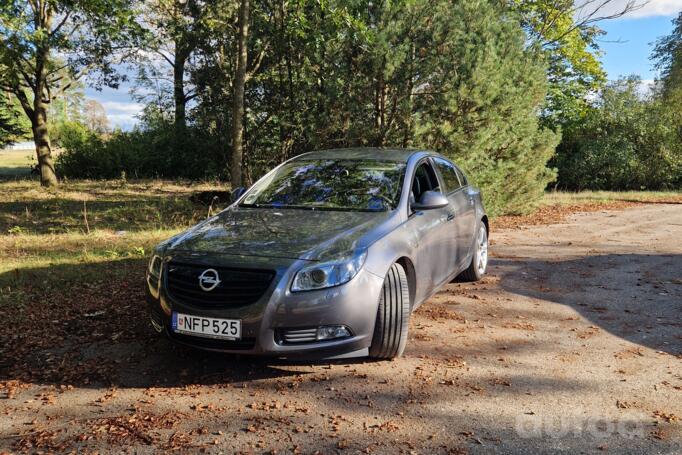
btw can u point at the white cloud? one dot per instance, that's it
(125, 122)
(120, 107)
(644, 8)
(122, 114)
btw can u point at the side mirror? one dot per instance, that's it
(431, 200)
(237, 193)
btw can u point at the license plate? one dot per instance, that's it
(225, 329)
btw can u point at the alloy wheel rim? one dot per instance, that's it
(482, 250)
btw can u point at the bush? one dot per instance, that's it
(140, 153)
(625, 142)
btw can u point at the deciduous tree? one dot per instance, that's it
(42, 39)
(95, 117)
(568, 33)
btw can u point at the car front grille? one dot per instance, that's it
(237, 287)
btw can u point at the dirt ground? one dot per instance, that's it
(571, 344)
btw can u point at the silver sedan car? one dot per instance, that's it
(327, 255)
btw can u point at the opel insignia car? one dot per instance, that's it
(326, 255)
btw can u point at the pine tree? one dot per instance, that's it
(481, 101)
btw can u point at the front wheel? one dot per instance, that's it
(390, 329)
(479, 260)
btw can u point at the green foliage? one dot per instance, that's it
(457, 78)
(481, 103)
(140, 153)
(625, 142)
(668, 57)
(46, 46)
(570, 47)
(56, 42)
(13, 126)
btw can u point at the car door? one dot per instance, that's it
(434, 253)
(468, 216)
(461, 228)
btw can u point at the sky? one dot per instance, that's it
(626, 49)
(629, 40)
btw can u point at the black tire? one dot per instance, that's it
(390, 329)
(473, 272)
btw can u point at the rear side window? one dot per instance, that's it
(462, 177)
(451, 175)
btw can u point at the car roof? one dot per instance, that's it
(360, 153)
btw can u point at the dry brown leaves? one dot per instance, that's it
(666, 416)
(629, 353)
(47, 340)
(519, 326)
(552, 214)
(439, 313)
(135, 427)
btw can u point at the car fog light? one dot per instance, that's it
(330, 332)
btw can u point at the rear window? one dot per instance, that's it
(450, 175)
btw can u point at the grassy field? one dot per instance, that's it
(564, 197)
(85, 230)
(16, 163)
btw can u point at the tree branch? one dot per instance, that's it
(592, 17)
(166, 58)
(25, 104)
(257, 62)
(60, 24)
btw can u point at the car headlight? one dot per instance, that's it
(155, 266)
(328, 274)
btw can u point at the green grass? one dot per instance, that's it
(565, 197)
(46, 243)
(16, 163)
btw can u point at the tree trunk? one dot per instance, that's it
(41, 138)
(41, 98)
(179, 89)
(238, 96)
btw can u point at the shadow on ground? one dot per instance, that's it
(86, 324)
(637, 297)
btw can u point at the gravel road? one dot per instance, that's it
(571, 344)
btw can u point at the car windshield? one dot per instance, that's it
(329, 184)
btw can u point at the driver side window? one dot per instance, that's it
(424, 180)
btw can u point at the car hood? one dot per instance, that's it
(290, 233)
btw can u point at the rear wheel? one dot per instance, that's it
(479, 260)
(390, 329)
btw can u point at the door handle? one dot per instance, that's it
(451, 216)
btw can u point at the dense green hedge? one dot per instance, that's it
(156, 152)
(627, 141)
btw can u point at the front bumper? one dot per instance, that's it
(353, 305)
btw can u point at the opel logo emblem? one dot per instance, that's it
(209, 279)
